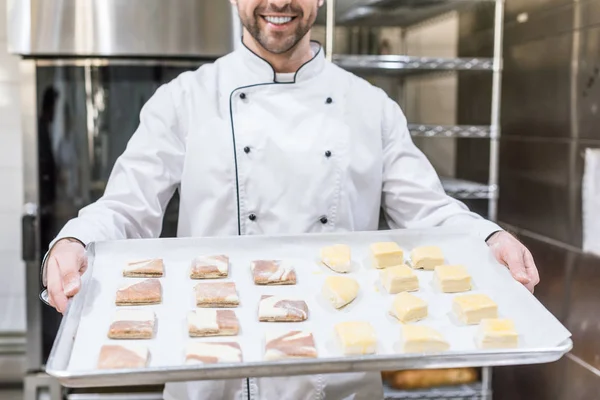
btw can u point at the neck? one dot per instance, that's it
(289, 61)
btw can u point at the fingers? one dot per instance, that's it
(56, 294)
(65, 265)
(515, 261)
(532, 271)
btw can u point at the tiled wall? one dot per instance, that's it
(549, 115)
(12, 269)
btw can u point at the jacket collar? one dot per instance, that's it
(263, 72)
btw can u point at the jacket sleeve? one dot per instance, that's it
(142, 181)
(413, 196)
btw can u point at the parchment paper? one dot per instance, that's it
(536, 326)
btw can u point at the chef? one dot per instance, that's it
(270, 139)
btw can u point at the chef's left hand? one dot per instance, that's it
(512, 253)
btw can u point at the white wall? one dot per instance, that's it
(12, 269)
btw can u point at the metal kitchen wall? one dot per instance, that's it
(551, 96)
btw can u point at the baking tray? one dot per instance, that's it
(83, 329)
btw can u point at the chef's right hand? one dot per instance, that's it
(66, 263)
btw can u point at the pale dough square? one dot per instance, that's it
(337, 258)
(153, 268)
(198, 353)
(132, 324)
(398, 279)
(123, 356)
(204, 322)
(386, 254)
(273, 272)
(426, 257)
(356, 337)
(292, 344)
(472, 308)
(340, 290)
(497, 334)
(408, 308)
(282, 309)
(216, 294)
(452, 278)
(422, 339)
(209, 267)
(148, 291)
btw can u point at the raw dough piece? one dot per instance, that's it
(216, 294)
(340, 290)
(408, 308)
(337, 257)
(422, 339)
(273, 272)
(145, 268)
(292, 344)
(426, 257)
(386, 254)
(452, 278)
(497, 334)
(356, 337)
(400, 278)
(128, 356)
(148, 291)
(209, 267)
(208, 322)
(132, 324)
(472, 308)
(212, 352)
(282, 309)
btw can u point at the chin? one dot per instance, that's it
(278, 46)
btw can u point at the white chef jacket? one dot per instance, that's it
(253, 156)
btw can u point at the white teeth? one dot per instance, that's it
(278, 20)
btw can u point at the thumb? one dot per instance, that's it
(515, 262)
(69, 266)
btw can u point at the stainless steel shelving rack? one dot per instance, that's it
(406, 13)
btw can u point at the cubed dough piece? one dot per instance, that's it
(208, 322)
(452, 278)
(356, 338)
(212, 353)
(209, 267)
(148, 291)
(340, 290)
(408, 308)
(337, 257)
(292, 344)
(216, 294)
(472, 308)
(132, 324)
(398, 279)
(273, 272)
(129, 356)
(386, 254)
(282, 309)
(422, 339)
(497, 334)
(144, 268)
(426, 257)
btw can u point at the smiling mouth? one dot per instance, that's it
(278, 20)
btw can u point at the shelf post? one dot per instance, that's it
(330, 29)
(495, 117)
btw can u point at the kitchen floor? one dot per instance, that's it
(11, 394)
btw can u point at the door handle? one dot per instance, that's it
(29, 232)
